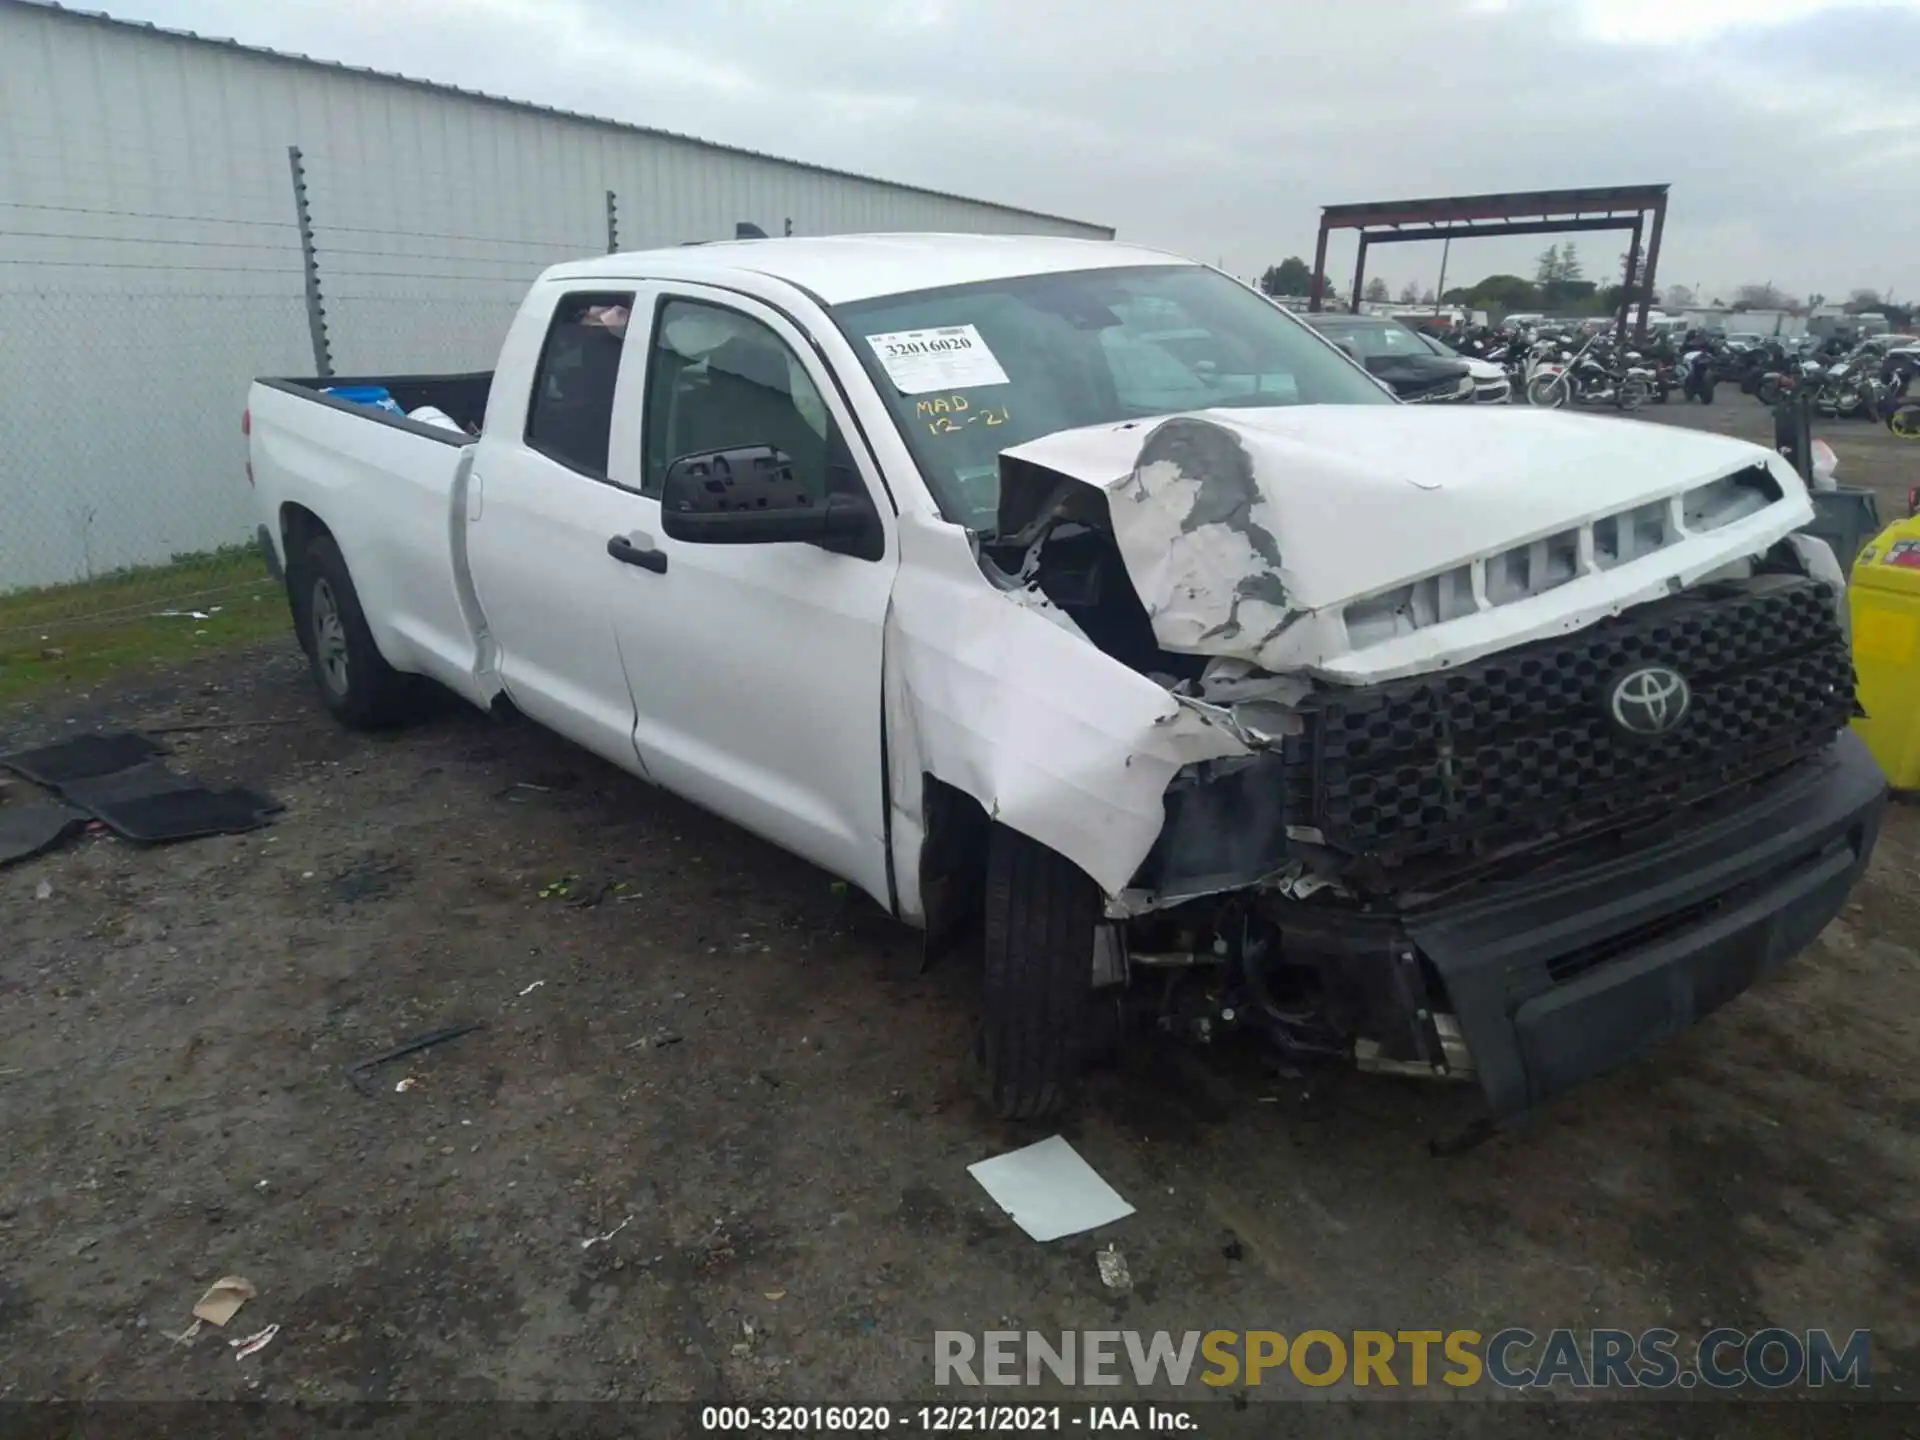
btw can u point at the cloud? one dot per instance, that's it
(1217, 128)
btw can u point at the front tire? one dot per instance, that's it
(1547, 391)
(353, 678)
(1038, 998)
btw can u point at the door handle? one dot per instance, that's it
(627, 553)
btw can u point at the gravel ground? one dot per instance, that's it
(705, 1051)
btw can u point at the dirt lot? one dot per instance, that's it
(739, 1075)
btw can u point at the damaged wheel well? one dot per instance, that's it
(953, 861)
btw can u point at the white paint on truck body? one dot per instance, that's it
(807, 695)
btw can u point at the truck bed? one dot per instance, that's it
(389, 490)
(462, 397)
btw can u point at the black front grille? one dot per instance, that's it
(1523, 742)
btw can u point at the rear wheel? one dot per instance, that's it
(353, 678)
(1038, 998)
(1633, 392)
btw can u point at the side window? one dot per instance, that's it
(570, 414)
(718, 379)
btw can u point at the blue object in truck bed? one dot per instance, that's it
(376, 396)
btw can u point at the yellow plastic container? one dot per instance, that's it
(1884, 598)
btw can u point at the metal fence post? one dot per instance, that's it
(613, 223)
(316, 307)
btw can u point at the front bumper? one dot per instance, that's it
(1561, 976)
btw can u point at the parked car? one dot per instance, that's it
(1398, 357)
(1491, 385)
(1422, 737)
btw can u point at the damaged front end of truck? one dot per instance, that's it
(1453, 749)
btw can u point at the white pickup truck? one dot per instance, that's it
(1074, 590)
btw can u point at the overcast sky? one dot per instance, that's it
(1789, 129)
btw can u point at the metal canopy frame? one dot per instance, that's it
(1537, 212)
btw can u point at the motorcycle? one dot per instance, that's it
(1847, 389)
(1776, 384)
(1901, 414)
(1582, 379)
(1697, 376)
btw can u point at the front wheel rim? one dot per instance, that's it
(329, 639)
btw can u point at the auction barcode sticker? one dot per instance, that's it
(950, 358)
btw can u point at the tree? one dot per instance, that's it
(1290, 277)
(1410, 294)
(1759, 297)
(1377, 290)
(1563, 294)
(1569, 263)
(1548, 266)
(1816, 300)
(1679, 297)
(1426, 297)
(1859, 301)
(1509, 292)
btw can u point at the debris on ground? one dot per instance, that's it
(775, 1294)
(360, 1072)
(531, 988)
(403, 1086)
(593, 1240)
(1113, 1269)
(186, 1336)
(43, 891)
(559, 889)
(659, 1040)
(254, 1343)
(224, 1298)
(1049, 1190)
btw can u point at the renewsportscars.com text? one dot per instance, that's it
(1512, 1359)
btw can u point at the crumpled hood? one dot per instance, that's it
(1235, 524)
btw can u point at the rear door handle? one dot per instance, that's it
(621, 548)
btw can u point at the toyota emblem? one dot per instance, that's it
(1650, 701)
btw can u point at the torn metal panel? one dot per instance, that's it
(1052, 737)
(1362, 547)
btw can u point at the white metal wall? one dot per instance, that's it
(150, 263)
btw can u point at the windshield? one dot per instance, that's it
(973, 369)
(1371, 341)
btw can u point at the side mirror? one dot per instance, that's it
(748, 495)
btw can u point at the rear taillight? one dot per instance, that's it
(246, 421)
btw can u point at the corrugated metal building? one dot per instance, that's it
(150, 256)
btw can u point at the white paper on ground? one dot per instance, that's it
(949, 358)
(1049, 1190)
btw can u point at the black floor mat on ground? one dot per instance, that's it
(81, 758)
(28, 830)
(185, 814)
(117, 780)
(142, 782)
